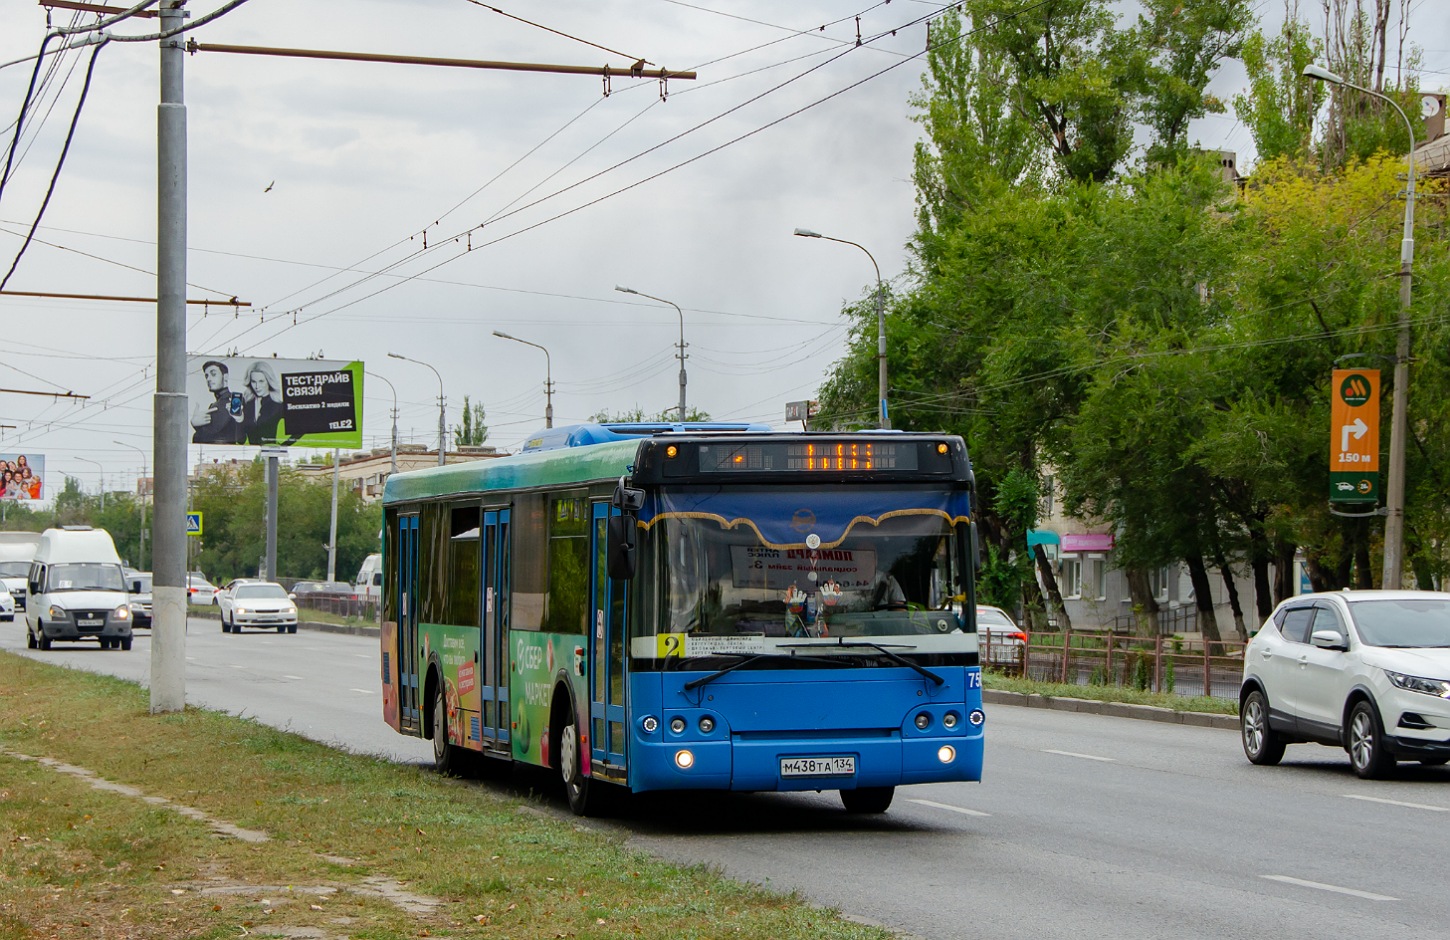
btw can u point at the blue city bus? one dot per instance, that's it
(651, 607)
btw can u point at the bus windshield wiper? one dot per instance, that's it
(899, 659)
(755, 658)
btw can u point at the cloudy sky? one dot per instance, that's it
(366, 208)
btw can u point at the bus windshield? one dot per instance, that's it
(891, 570)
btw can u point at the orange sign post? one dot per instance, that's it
(1354, 436)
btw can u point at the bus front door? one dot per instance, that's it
(606, 659)
(409, 715)
(494, 684)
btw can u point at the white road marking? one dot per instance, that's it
(235, 666)
(947, 806)
(363, 691)
(363, 655)
(1368, 896)
(1106, 760)
(1376, 799)
(298, 678)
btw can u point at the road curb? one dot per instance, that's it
(318, 625)
(1111, 709)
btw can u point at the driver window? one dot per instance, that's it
(1327, 618)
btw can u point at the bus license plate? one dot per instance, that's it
(818, 766)
(90, 622)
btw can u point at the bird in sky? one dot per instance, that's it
(269, 186)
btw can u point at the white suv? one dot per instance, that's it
(1368, 671)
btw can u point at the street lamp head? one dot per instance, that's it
(625, 290)
(807, 233)
(393, 355)
(502, 335)
(1322, 74)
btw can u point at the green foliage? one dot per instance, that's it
(1142, 673)
(1280, 105)
(472, 431)
(1170, 678)
(233, 501)
(636, 415)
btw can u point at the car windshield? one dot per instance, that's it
(892, 569)
(259, 591)
(86, 577)
(1407, 623)
(14, 569)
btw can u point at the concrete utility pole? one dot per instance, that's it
(548, 377)
(1392, 577)
(168, 632)
(332, 529)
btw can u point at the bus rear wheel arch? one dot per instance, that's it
(566, 745)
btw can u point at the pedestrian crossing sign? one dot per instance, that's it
(193, 523)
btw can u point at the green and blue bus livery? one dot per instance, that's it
(672, 607)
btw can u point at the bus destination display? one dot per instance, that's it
(807, 455)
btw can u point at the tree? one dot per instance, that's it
(637, 416)
(472, 432)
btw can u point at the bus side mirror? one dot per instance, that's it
(621, 529)
(619, 548)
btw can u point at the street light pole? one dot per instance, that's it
(883, 415)
(442, 432)
(1392, 578)
(393, 464)
(548, 377)
(102, 484)
(627, 290)
(144, 488)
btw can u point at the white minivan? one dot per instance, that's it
(76, 590)
(368, 586)
(16, 551)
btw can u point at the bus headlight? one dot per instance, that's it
(677, 725)
(123, 612)
(923, 721)
(649, 724)
(684, 759)
(946, 753)
(707, 724)
(949, 720)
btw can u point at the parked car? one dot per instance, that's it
(319, 590)
(199, 590)
(1002, 642)
(1368, 671)
(247, 603)
(138, 584)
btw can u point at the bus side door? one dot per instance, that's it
(606, 655)
(494, 690)
(410, 717)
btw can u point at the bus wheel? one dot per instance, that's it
(42, 641)
(867, 799)
(446, 757)
(126, 643)
(571, 769)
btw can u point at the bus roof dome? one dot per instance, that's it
(582, 435)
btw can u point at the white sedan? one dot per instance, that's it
(257, 604)
(7, 605)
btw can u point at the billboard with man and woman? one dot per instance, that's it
(275, 402)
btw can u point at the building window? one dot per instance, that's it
(1096, 583)
(1069, 578)
(1158, 582)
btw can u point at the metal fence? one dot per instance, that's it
(1177, 665)
(364, 608)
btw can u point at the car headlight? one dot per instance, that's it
(243, 610)
(1440, 688)
(58, 613)
(123, 612)
(289, 609)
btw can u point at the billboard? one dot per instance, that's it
(22, 476)
(285, 402)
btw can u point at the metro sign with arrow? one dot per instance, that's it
(1354, 449)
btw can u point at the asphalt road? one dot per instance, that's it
(1085, 826)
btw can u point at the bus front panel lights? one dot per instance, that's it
(946, 754)
(684, 759)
